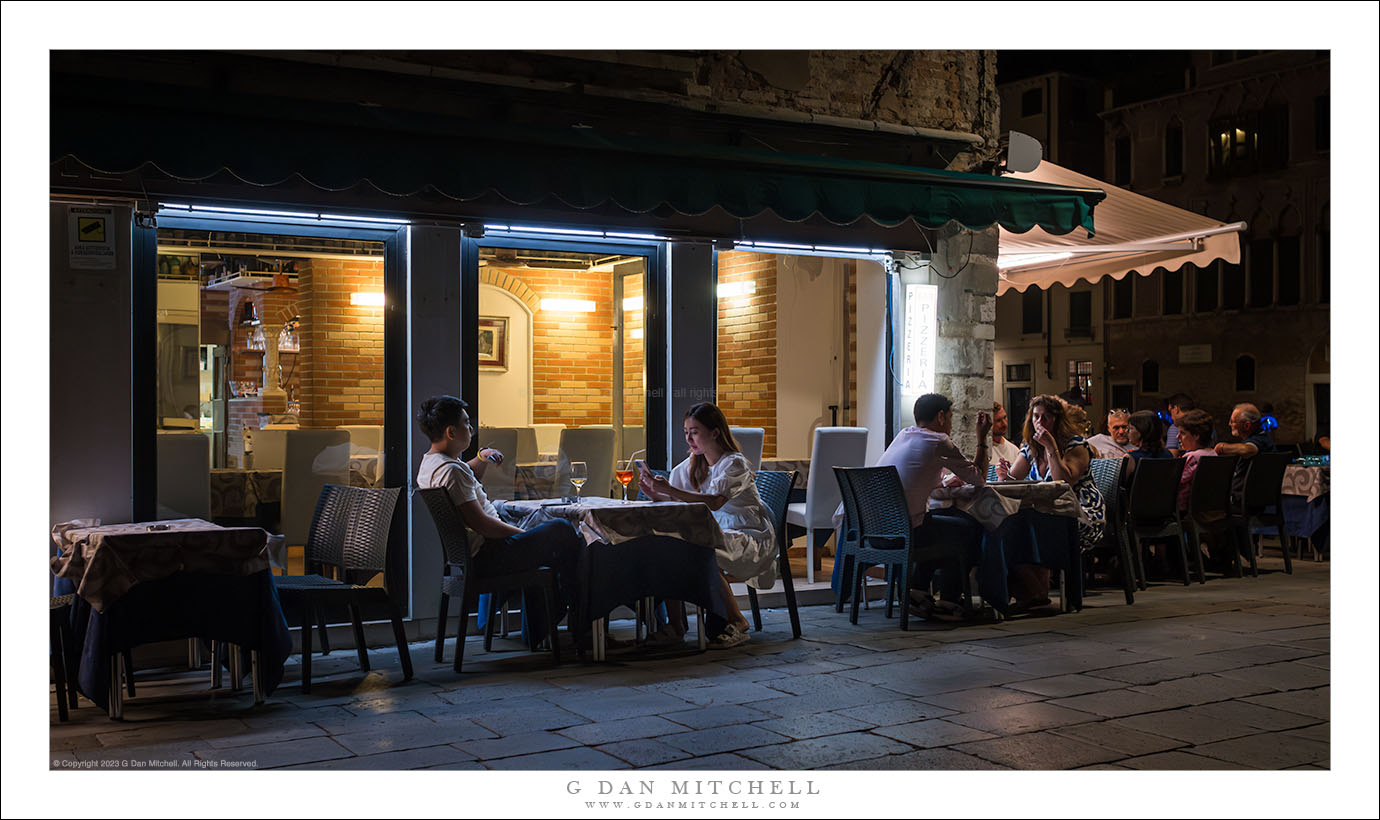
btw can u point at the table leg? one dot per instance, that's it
(193, 653)
(256, 673)
(217, 675)
(701, 638)
(236, 673)
(599, 633)
(115, 703)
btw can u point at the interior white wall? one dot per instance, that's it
(809, 349)
(505, 397)
(871, 365)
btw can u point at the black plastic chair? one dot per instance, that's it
(775, 489)
(1260, 503)
(874, 498)
(349, 532)
(1109, 474)
(461, 582)
(1209, 506)
(1152, 512)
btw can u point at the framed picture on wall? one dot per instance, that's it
(493, 343)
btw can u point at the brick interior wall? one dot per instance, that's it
(341, 362)
(634, 387)
(746, 389)
(572, 353)
(850, 268)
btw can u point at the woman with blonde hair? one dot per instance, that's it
(717, 474)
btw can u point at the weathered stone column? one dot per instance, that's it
(964, 267)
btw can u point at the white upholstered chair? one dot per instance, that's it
(833, 447)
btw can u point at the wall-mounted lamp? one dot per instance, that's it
(637, 333)
(728, 290)
(366, 299)
(568, 305)
(632, 303)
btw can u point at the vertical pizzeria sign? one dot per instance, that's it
(919, 345)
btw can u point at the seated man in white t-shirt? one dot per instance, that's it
(497, 548)
(1002, 447)
(1116, 442)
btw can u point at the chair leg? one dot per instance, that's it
(1128, 568)
(467, 601)
(903, 592)
(1182, 541)
(789, 586)
(756, 609)
(1284, 546)
(441, 618)
(1197, 546)
(1238, 545)
(129, 672)
(489, 625)
(548, 594)
(891, 582)
(810, 556)
(845, 581)
(1137, 555)
(306, 647)
(361, 650)
(400, 635)
(859, 572)
(321, 631)
(1251, 555)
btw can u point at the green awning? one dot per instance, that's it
(265, 141)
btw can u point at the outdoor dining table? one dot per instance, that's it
(634, 550)
(1306, 503)
(155, 581)
(1023, 523)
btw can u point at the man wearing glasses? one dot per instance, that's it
(1116, 442)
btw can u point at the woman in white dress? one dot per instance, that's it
(718, 475)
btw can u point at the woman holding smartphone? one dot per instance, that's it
(718, 475)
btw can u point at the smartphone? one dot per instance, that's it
(641, 466)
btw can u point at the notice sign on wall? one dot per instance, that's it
(1195, 354)
(91, 238)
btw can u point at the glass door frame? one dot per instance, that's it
(655, 310)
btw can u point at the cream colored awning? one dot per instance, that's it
(1134, 233)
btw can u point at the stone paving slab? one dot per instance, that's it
(725, 762)
(274, 755)
(1266, 755)
(643, 752)
(378, 739)
(1118, 737)
(578, 759)
(514, 745)
(1023, 717)
(610, 731)
(1179, 761)
(1312, 702)
(1039, 750)
(710, 716)
(824, 751)
(1183, 726)
(1251, 714)
(924, 759)
(808, 726)
(894, 712)
(722, 739)
(931, 733)
(1063, 686)
(425, 757)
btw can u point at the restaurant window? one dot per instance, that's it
(270, 370)
(1204, 288)
(1325, 267)
(1080, 313)
(1172, 301)
(1122, 293)
(1081, 377)
(1121, 157)
(1019, 372)
(1032, 102)
(1032, 311)
(1287, 270)
(1262, 273)
(561, 366)
(1322, 123)
(1245, 374)
(1233, 286)
(1174, 150)
(1150, 376)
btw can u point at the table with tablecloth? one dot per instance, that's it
(634, 550)
(154, 581)
(537, 480)
(1306, 502)
(1022, 523)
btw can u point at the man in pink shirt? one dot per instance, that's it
(926, 458)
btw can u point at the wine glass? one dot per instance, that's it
(579, 474)
(624, 474)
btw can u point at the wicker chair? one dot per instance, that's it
(1152, 512)
(1260, 503)
(775, 489)
(349, 531)
(878, 506)
(1108, 474)
(460, 581)
(1209, 506)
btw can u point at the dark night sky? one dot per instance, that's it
(1134, 75)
